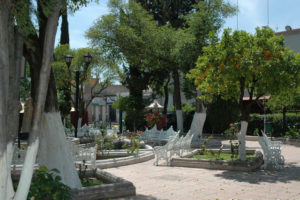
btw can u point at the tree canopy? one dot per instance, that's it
(258, 64)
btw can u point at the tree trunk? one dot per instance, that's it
(39, 104)
(284, 128)
(54, 151)
(198, 122)
(244, 125)
(177, 100)
(6, 33)
(242, 140)
(166, 90)
(16, 52)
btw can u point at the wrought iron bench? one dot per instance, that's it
(272, 152)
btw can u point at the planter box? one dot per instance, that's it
(251, 165)
(115, 187)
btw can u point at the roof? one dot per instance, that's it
(291, 32)
(113, 90)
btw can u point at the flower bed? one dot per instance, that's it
(235, 165)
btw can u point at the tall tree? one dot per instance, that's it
(131, 37)
(207, 20)
(258, 64)
(196, 19)
(64, 29)
(172, 12)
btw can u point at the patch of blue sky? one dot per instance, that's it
(252, 14)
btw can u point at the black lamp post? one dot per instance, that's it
(87, 60)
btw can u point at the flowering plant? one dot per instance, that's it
(134, 145)
(156, 119)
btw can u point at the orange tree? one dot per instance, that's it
(241, 62)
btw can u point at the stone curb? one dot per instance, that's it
(117, 162)
(116, 187)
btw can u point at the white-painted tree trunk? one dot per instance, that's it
(3, 174)
(9, 190)
(79, 131)
(179, 118)
(242, 140)
(197, 128)
(54, 151)
(27, 171)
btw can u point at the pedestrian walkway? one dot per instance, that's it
(180, 183)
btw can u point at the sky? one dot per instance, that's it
(252, 14)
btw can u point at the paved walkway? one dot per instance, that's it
(180, 183)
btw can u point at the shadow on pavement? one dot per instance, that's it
(289, 173)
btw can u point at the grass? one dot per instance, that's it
(91, 182)
(100, 157)
(222, 156)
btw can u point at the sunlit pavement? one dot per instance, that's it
(180, 183)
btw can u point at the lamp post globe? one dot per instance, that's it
(68, 59)
(87, 60)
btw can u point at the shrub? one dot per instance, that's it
(293, 133)
(46, 185)
(257, 121)
(134, 145)
(188, 111)
(220, 114)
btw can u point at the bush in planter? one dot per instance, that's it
(46, 185)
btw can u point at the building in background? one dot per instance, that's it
(291, 38)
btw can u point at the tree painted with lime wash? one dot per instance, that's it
(21, 36)
(258, 64)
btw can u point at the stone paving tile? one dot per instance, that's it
(180, 183)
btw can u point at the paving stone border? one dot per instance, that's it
(115, 187)
(251, 165)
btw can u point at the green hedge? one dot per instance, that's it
(275, 120)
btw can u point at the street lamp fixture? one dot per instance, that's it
(68, 59)
(87, 60)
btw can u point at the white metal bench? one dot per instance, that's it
(156, 137)
(176, 146)
(272, 152)
(162, 152)
(81, 153)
